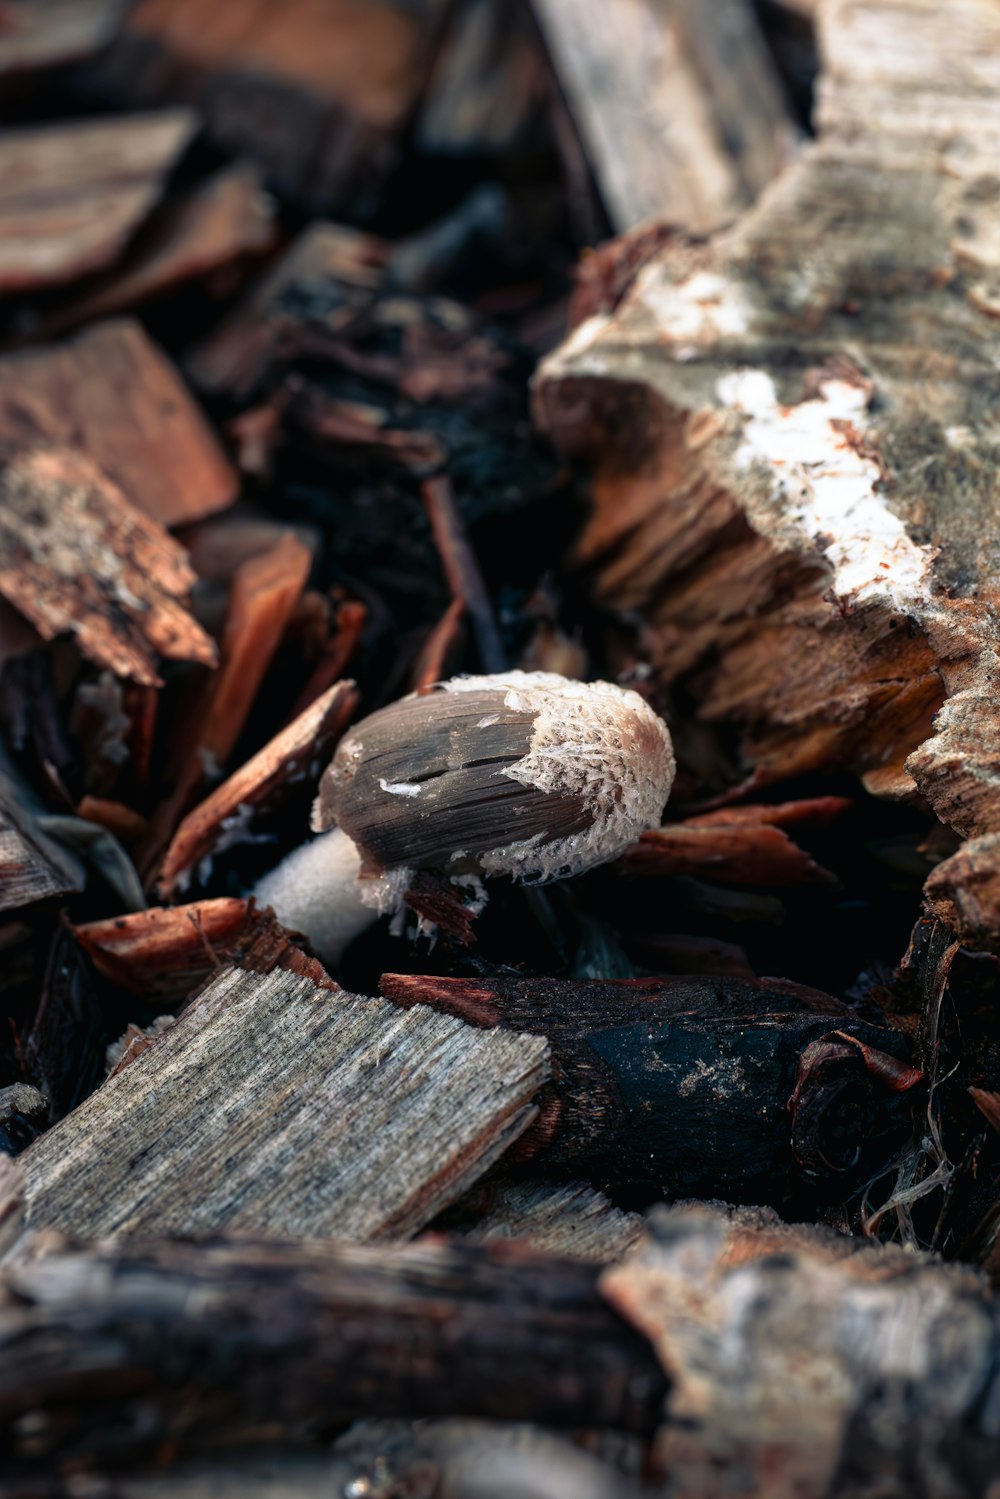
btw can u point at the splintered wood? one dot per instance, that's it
(31, 869)
(76, 557)
(790, 429)
(275, 1107)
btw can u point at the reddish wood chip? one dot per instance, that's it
(165, 952)
(76, 557)
(297, 754)
(744, 854)
(111, 393)
(72, 194)
(220, 221)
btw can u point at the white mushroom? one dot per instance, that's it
(525, 774)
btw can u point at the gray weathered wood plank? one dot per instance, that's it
(275, 1107)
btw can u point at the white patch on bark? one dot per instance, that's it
(828, 488)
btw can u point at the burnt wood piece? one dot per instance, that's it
(113, 395)
(694, 1087)
(72, 194)
(786, 431)
(278, 1107)
(76, 557)
(678, 107)
(317, 95)
(292, 759)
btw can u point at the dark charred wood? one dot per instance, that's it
(742, 1090)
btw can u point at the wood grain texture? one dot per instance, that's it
(77, 558)
(279, 1108)
(678, 106)
(790, 430)
(563, 1218)
(31, 869)
(71, 195)
(112, 394)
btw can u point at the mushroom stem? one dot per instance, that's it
(315, 890)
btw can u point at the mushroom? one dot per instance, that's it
(526, 774)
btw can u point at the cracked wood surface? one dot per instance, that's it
(791, 429)
(77, 558)
(279, 1108)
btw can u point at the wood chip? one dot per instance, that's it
(113, 394)
(76, 557)
(316, 94)
(32, 869)
(741, 855)
(238, 353)
(72, 194)
(295, 756)
(274, 1107)
(42, 34)
(567, 1218)
(165, 952)
(678, 105)
(220, 222)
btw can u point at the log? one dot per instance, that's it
(278, 1107)
(123, 1346)
(678, 107)
(791, 473)
(699, 1087)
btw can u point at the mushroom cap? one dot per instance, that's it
(527, 774)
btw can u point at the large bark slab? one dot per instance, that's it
(277, 1107)
(789, 429)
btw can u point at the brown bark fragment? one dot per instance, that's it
(167, 951)
(278, 1108)
(742, 855)
(71, 195)
(964, 892)
(220, 222)
(316, 94)
(112, 394)
(76, 557)
(298, 754)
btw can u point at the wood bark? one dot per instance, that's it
(275, 1106)
(77, 558)
(788, 432)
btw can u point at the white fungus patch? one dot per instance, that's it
(700, 310)
(400, 788)
(593, 741)
(828, 488)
